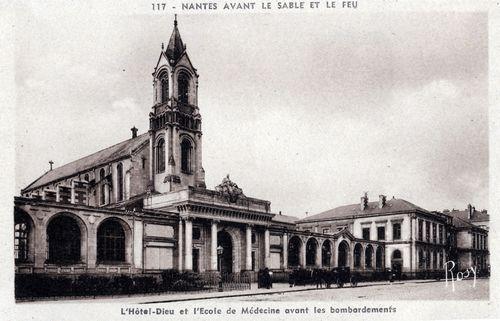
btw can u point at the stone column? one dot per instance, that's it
(266, 248)
(285, 251)
(180, 243)
(213, 247)
(176, 150)
(188, 258)
(248, 250)
(302, 255)
(138, 241)
(92, 244)
(318, 262)
(40, 242)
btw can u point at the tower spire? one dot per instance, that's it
(175, 46)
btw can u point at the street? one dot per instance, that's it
(464, 290)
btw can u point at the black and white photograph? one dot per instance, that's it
(274, 159)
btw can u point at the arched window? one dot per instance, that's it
(21, 238)
(183, 88)
(164, 88)
(63, 237)
(186, 151)
(357, 255)
(102, 192)
(119, 181)
(160, 156)
(110, 242)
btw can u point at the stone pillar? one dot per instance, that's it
(248, 249)
(92, 244)
(73, 192)
(40, 243)
(138, 248)
(176, 150)
(389, 231)
(267, 251)
(285, 251)
(302, 255)
(213, 247)
(180, 243)
(188, 258)
(151, 153)
(318, 262)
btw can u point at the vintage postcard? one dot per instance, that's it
(185, 160)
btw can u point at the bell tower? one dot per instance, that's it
(175, 121)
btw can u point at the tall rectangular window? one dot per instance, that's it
(420, 230)
(440, 234)
(427, 231)
(381, 233)
(396, 231)
(366, 233)
(434, 233)
(473, 241)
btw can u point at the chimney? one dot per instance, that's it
(134, 132)
(51, 163)
(470, 210)
(381, 201)
(364, 201)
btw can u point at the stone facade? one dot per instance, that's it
(141, 206)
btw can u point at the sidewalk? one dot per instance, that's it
(278, 288)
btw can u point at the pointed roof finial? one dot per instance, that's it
(175, 19)
(162, 46)
(51, 163)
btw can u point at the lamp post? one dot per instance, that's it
(220, 249)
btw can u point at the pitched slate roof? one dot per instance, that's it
(477, 216)
(104, 156)
(392, 206)
(285, 218)
(460, 222)
(175, 46)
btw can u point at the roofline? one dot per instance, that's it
(353, 216)
(28, 189)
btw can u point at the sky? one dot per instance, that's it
(306, 110)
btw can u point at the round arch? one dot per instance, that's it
(379, 258)
(24, 237)
(66, 239)
(326, 253)
(369, 256)
(294, 246)
(343, 254)
(397, 261)
(114, 241)
(311, 251)
(357, 253)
